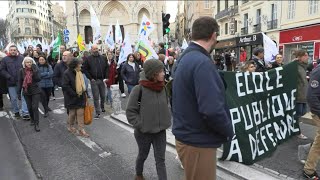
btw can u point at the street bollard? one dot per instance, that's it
(116, 102)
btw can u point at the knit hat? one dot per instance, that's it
(152, 66)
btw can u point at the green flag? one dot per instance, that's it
(56, 46)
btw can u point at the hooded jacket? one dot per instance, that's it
(152, 116)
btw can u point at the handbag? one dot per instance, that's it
(88, 111)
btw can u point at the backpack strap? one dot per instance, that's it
(140, 95)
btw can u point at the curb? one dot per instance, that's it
(237, 170)
(32, 171)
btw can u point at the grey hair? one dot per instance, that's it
(26, 59)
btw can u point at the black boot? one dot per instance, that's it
(46, 114)
(32, 123)
(36, 127)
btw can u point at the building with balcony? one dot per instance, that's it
(242, 21)
(29, 19)
(194, 10)
(128, 13)
(300, 28)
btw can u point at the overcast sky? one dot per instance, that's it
(172, 8)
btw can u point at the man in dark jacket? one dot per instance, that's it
(61, 67)
(313, 98)
(258, 59)
(201, 119)
(96, 69)
(9, 69)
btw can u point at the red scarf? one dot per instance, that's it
(27, 78)
(155, 86)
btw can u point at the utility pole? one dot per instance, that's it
(77, 19)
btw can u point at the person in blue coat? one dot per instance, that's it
(10, 67)
(201, 118)
(313, 99)
(46, 83)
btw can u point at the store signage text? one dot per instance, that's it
(248, 39)
(297, 38)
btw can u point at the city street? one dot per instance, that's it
(54, 153)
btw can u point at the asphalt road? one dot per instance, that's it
(55, 154)
(109, 153)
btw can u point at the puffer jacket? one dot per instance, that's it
(46, 74)
(302, 83)
(152, 115)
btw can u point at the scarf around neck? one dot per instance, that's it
(80, 86)
(27, 78)
(154, 86)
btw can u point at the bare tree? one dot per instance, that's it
(3, 26)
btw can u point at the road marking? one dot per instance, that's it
(104, 154)
(40, 111)
(94, 146)
(3, 114)
(58, 98)
(59, 111)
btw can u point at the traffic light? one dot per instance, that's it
(165, 23)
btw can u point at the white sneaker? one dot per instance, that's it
(303, 151)
(123, 95)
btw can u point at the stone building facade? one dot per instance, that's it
(128, 14)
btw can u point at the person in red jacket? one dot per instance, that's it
(113, 74)
(243, 55)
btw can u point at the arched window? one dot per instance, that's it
(37, 31)
(19, 31)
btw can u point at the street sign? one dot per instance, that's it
(66, 32)
(66, 39)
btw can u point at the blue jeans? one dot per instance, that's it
(301, 109)
(14, 101)
(130, 87)
(109, 95)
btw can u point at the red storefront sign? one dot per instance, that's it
(309, 33)
(300, 35)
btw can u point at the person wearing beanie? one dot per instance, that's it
(147, 111)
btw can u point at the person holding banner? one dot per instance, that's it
(261, 66)
(302, 85)
(249, 66)
(313, 98)
(201, 118)
(278, 61)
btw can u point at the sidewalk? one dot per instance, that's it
(237, 170)
(13, 160)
